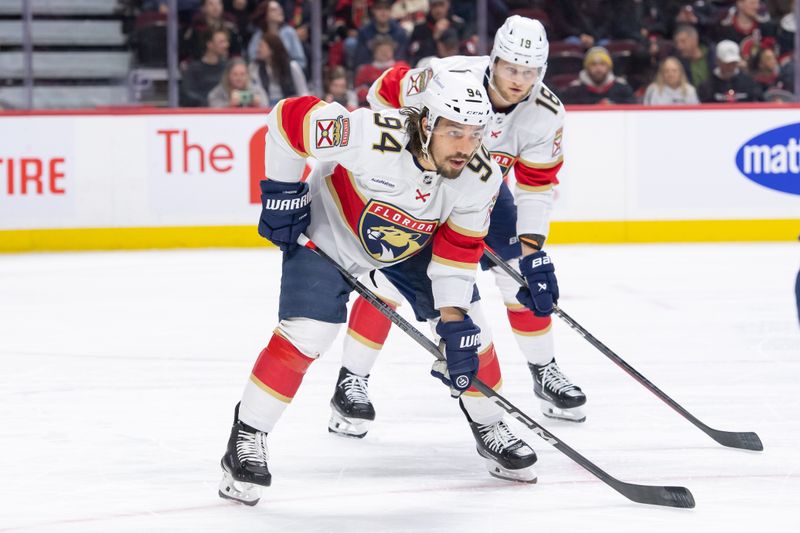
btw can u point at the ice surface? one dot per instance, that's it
(119, 372)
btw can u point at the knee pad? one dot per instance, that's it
(311, 337)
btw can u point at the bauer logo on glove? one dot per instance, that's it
(541, 294)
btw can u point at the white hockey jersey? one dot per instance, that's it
(373, 205)
(528, 137)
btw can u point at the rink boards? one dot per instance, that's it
(160, 179)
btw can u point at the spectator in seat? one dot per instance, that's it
(336, 89)
(270, 18)
(596, 83)
(583, 22)
(728, 84)
(382, 24)
(186, 8)
(439, 19)
(409, 13)
(349, 16)
(786, 77)
(211, 15)
(697, 60)
(670, 86)
(766, 70)
(448, 44)
(275, 72)
(237, 89)
(383, 49)
(204, 74)
(239, 11)
(741, 21)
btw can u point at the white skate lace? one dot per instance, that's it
(554, 379)
(497, 436)
(252, 447)
(355, 389)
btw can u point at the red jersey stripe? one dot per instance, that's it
(536, 176)
(344, 192)
(450, 245)
(389, 86)
(294, 115)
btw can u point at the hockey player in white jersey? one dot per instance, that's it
(409, 192)
(524, 136)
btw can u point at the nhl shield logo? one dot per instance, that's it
(333, 132)
(389, 235)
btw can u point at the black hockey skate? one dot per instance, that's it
(351, 410)
(244, 465)
(560, 398)
(506, 455)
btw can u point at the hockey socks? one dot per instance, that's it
(273, 383)
(366, 332)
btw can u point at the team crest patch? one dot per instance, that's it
(504, 160)
(333, 132)
(389, 235)
(418, 82)
(557, 142)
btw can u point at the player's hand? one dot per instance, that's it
(540, 274)
(285, 212)
(461, 340)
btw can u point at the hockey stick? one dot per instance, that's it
(654, 495)
(744, 440)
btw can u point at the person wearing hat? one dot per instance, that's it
(728, 84)
(382, 24)
(423, 38)
(596, 83)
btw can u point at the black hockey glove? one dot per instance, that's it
(461, 340)
(285, 212)
(540, 274)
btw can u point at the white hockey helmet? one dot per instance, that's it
(458, 96)
(521, 41)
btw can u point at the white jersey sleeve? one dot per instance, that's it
(538, 164)
(458, 244)
(304, 127)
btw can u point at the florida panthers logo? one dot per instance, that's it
(504, 160)
(390, 235)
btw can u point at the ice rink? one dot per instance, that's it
(120, 372)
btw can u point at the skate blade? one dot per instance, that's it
(574, 414)
(238, 491)
(523, 475)
(354, 428)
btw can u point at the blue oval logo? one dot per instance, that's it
(772, 159)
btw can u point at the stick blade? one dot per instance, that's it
(746, 440)
(679, 497)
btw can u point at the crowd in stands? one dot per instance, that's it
(241, 53)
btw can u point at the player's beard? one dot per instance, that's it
(451, 173)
